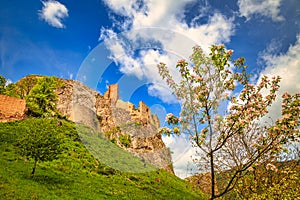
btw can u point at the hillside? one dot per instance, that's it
(135, 129)
(77, 174)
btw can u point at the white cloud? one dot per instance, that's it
(287, 66)
(160, 24)
(8, 81)
(53, 12)
(182, 155)
(268, 8)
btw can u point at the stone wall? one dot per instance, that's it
(112, 94)
(12, 108)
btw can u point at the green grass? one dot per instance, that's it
(110, 154)
(77, 174)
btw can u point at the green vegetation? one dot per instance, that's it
(42, 98)
(25, 85)
(114, 134)
(125, 140)
(106, 152)
(20, 89)
(271, 181)
(76, 174)
(42, 86)
(130, 124)
(10, 90)
(41, 141)
(2, 84)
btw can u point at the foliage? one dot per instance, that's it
(125, 140)
(41, 142)
(272, 179)
(117, 137)
(76, 170)
(2, 84)
(20, 89)
(25, 85)
(113, 132)
(232, 139)
(42, 98)
(130, 125)
(11, 90)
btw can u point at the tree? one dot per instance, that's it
(41, 141)
(42, 98)
(2, 84)
(274, 179)
(11, 90)
(229, 141)
(25, 85)
(20, 89)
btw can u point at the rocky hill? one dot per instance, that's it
(133, 129)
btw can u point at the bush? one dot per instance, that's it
(125, 140)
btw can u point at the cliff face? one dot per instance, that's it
(116, 119)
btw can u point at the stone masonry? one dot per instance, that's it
(12, 108)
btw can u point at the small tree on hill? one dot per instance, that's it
(42, 98)
(229, 141)
(41, 141)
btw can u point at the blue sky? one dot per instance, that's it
(104, 42)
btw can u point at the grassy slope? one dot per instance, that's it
(78, 175)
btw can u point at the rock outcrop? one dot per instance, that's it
(106, 113)
(116, 118)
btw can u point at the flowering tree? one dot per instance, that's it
(234, 139)
(274, 179)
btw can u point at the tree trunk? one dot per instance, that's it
(212, 171)
(33, 169)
